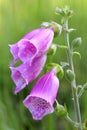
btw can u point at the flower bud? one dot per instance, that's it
(70, 75)
(65, 11)
(59, 11)
(61, 110)
(76, 42)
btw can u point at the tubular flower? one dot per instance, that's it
(41, 99)
(14, 49)
(26, 73)
(33, 44)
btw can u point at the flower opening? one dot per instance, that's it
(42, 97)
(33, 44)
(39, 107)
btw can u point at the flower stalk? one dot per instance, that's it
(73, 82)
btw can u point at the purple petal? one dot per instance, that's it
(30, 72)
(31, 34)
(47, 83)
(43, 40)
(38, 107)
(27, 51)
(33, 44)
(18, 79)
(44, 92)
(25, 73)
(14, 51)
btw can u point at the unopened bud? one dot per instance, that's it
(76, 42)
(70, 75)
(65, 11)
(61, 110)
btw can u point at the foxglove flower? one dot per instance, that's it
(26, 73)
(41, 99)
(32, 45)
(14, 47)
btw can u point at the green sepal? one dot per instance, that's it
(67, 11)
(60, 72)
(46, 24)
(76, 42)
(70, 75)
(57, 28)
(52, 50)
(64, 64)
(58, 68)
(71, 30)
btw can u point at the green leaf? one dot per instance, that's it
(52, 50)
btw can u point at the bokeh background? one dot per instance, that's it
(17, 17)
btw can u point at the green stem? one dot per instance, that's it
(73, 83)
(75, 124)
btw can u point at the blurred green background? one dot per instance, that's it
(17, 17)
